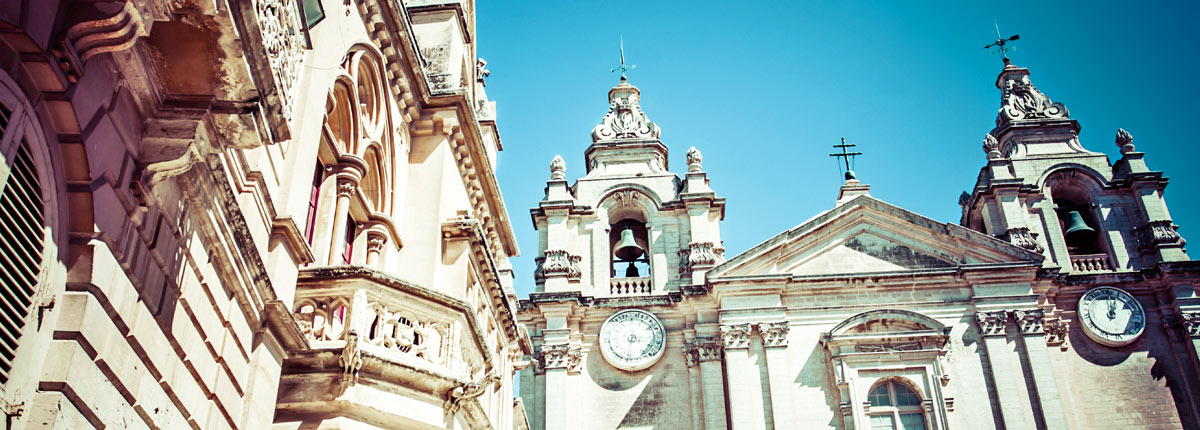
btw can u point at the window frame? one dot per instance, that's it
(892, 409)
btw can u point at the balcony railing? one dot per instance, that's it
(1090, 263)
(635, 286)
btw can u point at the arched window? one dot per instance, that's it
(895, 406)
(1074, 196)
(629, 249)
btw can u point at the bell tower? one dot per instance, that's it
(628, 227)
(1043, 191)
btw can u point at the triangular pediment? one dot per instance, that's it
(866, 235)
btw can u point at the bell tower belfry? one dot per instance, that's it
(1043, 191)
(628, 227)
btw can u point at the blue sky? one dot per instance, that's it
(765, 88)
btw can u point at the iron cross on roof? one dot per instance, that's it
(623, 67)
(1000, 42)
(846, 157)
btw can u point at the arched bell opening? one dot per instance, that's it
(629, 249)
(1078, 220)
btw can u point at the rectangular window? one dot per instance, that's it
(310, 223)
(883, 422)
(348, 248)
(313, 12)
(913, 421)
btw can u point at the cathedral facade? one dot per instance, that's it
(1063, 299)
(251, 214)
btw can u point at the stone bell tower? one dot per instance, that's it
(627, 197)
(1043, 191)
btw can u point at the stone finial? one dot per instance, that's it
(1124, 141)
(558, 168)
(693, 159)
(991, 147)
(964, 199)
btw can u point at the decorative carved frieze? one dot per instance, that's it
(1021, 237)
(116, 33)
(559, 263)
(1056, 332)
(709, 349)
(1029, 321)
(1021, 101)
(283, 38)
(992, 323)
(470, 390)
(1162, 232)
(558, 168)
(774, 333)
(627, 198)
(888, 347)
(625, 119)
(693, 160)
(736, 336)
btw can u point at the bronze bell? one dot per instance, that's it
(1076, 226)
(627, 248)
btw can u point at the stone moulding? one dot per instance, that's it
(116, 33)
(472, 230)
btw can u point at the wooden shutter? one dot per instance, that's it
(22, 228)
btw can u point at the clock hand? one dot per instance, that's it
(1112, 309)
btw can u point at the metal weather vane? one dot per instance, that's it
(623, 67)
(846, 157)
(1000, 42)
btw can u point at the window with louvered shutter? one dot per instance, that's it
(22, 227)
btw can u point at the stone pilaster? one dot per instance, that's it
(710, 353)
(779, 371)
(745, 384)
(1030, 322)
(691, 357)
(1005, 368)
(556, 360)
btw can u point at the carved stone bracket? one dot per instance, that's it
(470, 390)
(774, 334)
(1021, 237)
(709, 349)
(992, 323)
(116, 33)
(559, 263)
(1029, 321)
(736, 336)
(1157, 233)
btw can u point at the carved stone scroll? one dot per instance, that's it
(709, 349)
(1029, 321)
(1021, 101)
(115, 33)
(736, 336)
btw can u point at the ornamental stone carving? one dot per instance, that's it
(481, 71)
(693, 160)
(1029, 321)
(774, 333)
(1162, 232)
(283, 39)
(558, 262)
(991, 147)
(346, 188)
(627, 198)
(350, 360)
(1056, 332)
(561, 356)
(470, 390)
(115, 33)
(709, 348)
(625, 119)
(376, 243)
(887, 347)
(685, 265)
(1124, 141)
(691, 353)
(736, 336)
(558, 168)
(705, 254)
(1021, 237)
(1021, 101)
(992, 323)
(1191, 323)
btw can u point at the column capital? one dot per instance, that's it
(774, 333)
(560, 356)
(1029, 321)
(346, 187)
(691, 353)
(736, 336)
(992, 323)
(708, 348)
(1056, 332)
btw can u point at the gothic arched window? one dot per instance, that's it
(895, 406)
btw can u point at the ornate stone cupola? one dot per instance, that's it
(1043, 191)
(628, 227)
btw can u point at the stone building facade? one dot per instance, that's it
(251, 214)
(1063, 299)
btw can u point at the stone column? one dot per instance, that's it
(341, 212)
(745, 386)
(1030, 323)
(691, 356)
(375, 243)
(780, 372)
(713, 381)
(993, 326)
(555, 361)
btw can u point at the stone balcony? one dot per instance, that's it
(633, 286)
(1091, 263)
(374, 338)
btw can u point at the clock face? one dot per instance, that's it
(1111, 316)
(632, 339)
